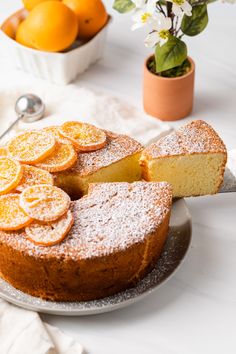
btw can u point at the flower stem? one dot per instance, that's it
(160, 8)
(176, 25)
(169, 8)
(170, 14)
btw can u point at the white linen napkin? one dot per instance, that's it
(22, 331)
(73, 103)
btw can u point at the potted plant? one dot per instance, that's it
(169, 72)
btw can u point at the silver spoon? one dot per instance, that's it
(29, 108)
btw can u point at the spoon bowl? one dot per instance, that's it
(29, 108)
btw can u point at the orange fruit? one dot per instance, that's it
(50, 26)
(10, 174)
(3, 151)
(33, 175)
(30, 4)
(23, 35)
(12, 217)
(49, 234)
(62, 159)
(9, 29)
(85, 137)
(91, 14)
(44, 202)
(31, 147)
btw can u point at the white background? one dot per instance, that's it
(195, 312)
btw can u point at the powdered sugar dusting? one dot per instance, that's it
(172, 255)
(31, 146)
(11, 215)
(168, 145)
(48, 234)
(116, 148)
(44, 202)
(112, 217)
(33, 175)
(195, 137)
(10, 174)
(198, 137)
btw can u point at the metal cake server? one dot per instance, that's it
(229, 183)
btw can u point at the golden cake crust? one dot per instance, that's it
(193, 138)
(117, 236)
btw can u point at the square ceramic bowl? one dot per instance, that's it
(59, 68)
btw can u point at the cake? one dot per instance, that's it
(105, 240)
(117, 161)
(118, 234)
(112, 234)
(192, 159)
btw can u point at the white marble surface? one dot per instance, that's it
(195, 312)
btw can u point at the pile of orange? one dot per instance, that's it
(53, 25)
(28, 197)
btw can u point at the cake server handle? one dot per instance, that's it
(229, 183)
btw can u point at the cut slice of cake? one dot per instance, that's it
(117, 161)
(192, 160)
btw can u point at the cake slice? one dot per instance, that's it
(117, 161)
(192, 160)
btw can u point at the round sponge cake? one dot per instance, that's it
(118, 234)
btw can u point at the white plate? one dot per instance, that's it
(175, 249)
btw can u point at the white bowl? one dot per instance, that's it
(59, 68)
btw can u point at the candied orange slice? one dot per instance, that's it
(84, 137)
(31, 147)
(44, 202)
(3, 151)
(33, 175)
(62, 158)
(54, 131)
(10, 174)
(49, 234)
(12, 216)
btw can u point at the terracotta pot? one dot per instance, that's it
(168, 98)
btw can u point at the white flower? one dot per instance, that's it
(143, 15)
(181, 7)
(160, 33)
(229, 1)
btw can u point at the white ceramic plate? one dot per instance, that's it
(175, 249)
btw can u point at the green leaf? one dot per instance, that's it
(195, 24)
(196, 2)
(171, 54)
(123, 6)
